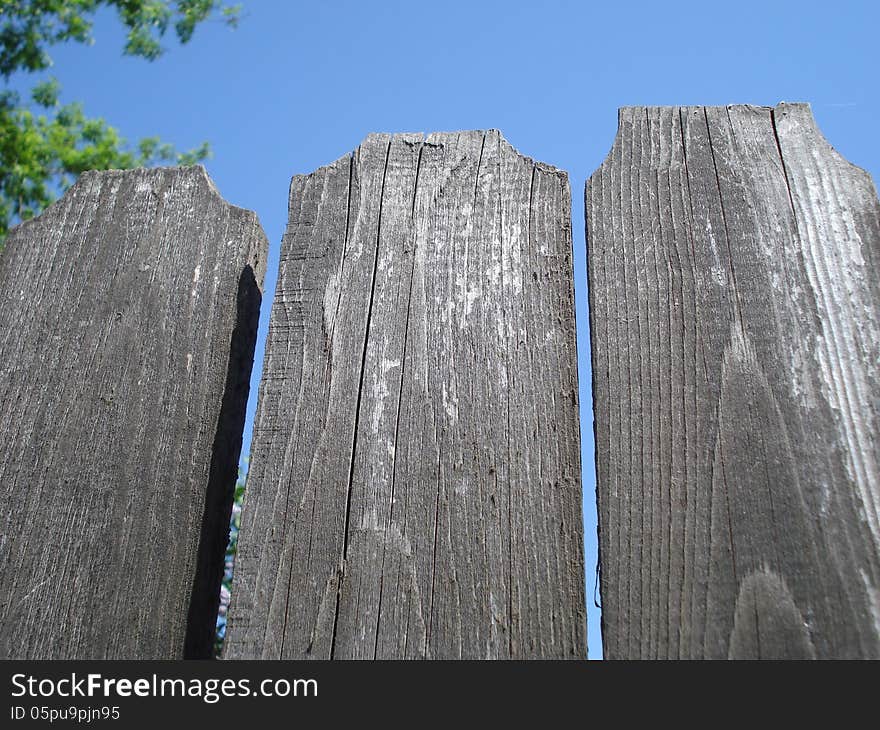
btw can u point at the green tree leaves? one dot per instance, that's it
(44, 145)
(29, 27)
(41, 154)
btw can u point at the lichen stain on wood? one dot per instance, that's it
(414, 486)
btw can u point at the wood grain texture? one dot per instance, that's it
(734, 303)
(128, 316)
(414, 486)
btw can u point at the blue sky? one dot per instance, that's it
(299, 84)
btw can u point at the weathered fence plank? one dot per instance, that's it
(736, 374)
(128, 316)
(414, 486)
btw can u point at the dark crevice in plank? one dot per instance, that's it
(428, 633)
(510, 524)
(400, 391)
(357, 408)
(226, 450)
(736, 301)
(346, 237)
(782, 163)
(345, 241)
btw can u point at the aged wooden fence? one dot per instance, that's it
(735, 301)
(128, 318)
(414, 486)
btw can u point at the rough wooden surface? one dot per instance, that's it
(414, 485)
(128, 315)
(733, 259)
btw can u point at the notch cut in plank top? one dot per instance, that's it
(414, 485)
(734, 309)
(128, 317)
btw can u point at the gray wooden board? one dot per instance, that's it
(128, 315)
(414, 485)
(734, 300)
